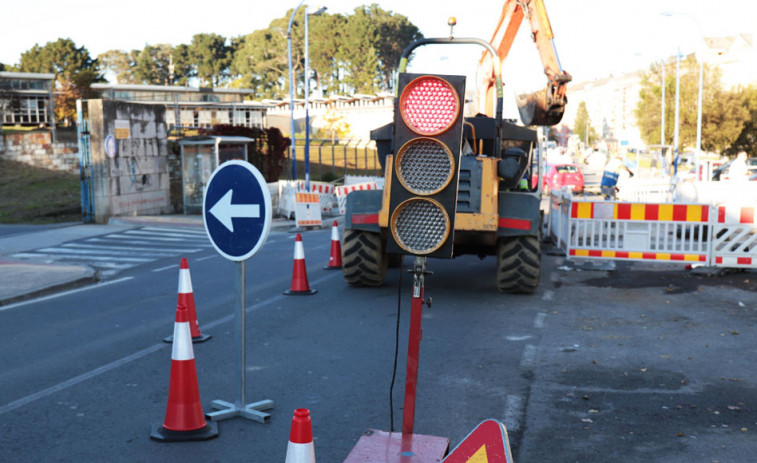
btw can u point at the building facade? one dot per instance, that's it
(191, 107)
(26, 99)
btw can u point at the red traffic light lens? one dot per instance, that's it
(429, 105)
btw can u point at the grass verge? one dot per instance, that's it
(35, 195)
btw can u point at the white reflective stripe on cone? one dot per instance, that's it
(300, 453)
(299, 251)
(185, 281)
(182, 342)
(334, 234)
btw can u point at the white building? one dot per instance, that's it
(611, 101)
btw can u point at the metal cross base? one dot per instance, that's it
(251, 411)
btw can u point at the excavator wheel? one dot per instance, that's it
(536, 108)
(364, 260)
(518, 264)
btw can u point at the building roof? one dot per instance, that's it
(172, 88)
(26, 75)
(213, 139)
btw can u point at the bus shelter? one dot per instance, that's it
(200, 155)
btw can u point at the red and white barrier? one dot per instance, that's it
(723, 236)
(343, 191)
(734, 237)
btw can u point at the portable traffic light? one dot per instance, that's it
(428, 127)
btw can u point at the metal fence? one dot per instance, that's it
(332, 160)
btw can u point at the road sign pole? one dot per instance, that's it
(237, 215)
(253, 411)
(239, 333)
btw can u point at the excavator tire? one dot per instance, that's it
(518, 264)
(364, 261)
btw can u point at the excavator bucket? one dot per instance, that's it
(539, 108)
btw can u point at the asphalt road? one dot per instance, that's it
(644, 363)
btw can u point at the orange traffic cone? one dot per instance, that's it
(300, 448)
(335, 258)
(300, 286)
(187, 298)
(184, 420)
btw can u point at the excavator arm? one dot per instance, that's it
(545, 107)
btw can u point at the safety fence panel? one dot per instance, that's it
(288, 190)
(343, 191)
(646, 191)
(734, 237)
(558, 223)
(720, 236)
(637, 231)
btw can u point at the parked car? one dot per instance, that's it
(721, 173)
(561, 175)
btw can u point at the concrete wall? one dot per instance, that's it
(135, 179)
(37, 149)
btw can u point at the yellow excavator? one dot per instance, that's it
(456, 185)
(545, 107)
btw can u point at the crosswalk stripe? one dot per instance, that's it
(161, 235)
(83, 257)
(99, 252)
(131, 248)
(147, 237)
(142, 241)
(174, 231)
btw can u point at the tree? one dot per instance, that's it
(358, 54)
(335, 125)
(582, 126)
(153, 65)
(260, 63)
(394, 33)
(211, 57)
(73, 68)
(120, 64)
(723, 114)
(352, 53)
(183, 68)
(326, 37)
(747, 139)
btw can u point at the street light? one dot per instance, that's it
(698, 147)
(291, 91)
(307, 96)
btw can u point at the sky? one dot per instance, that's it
(593, 38)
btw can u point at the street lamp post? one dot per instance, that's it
(677, 112)
(307, 96)
(698, 148)
(662, 111)
(291, 92)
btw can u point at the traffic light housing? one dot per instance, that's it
(428, 129)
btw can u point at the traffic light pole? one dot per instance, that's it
(414, 344)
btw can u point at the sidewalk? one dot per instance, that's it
(25, 279)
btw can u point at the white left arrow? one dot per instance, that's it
(224, 211)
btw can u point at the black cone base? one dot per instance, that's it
(305, 292)
(195, 340)
(162, 434)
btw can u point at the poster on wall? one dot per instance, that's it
(123, 129)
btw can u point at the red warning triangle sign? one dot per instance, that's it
(487, 443)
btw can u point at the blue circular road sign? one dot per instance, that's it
(237, 210)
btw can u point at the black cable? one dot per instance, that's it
(396, 351)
